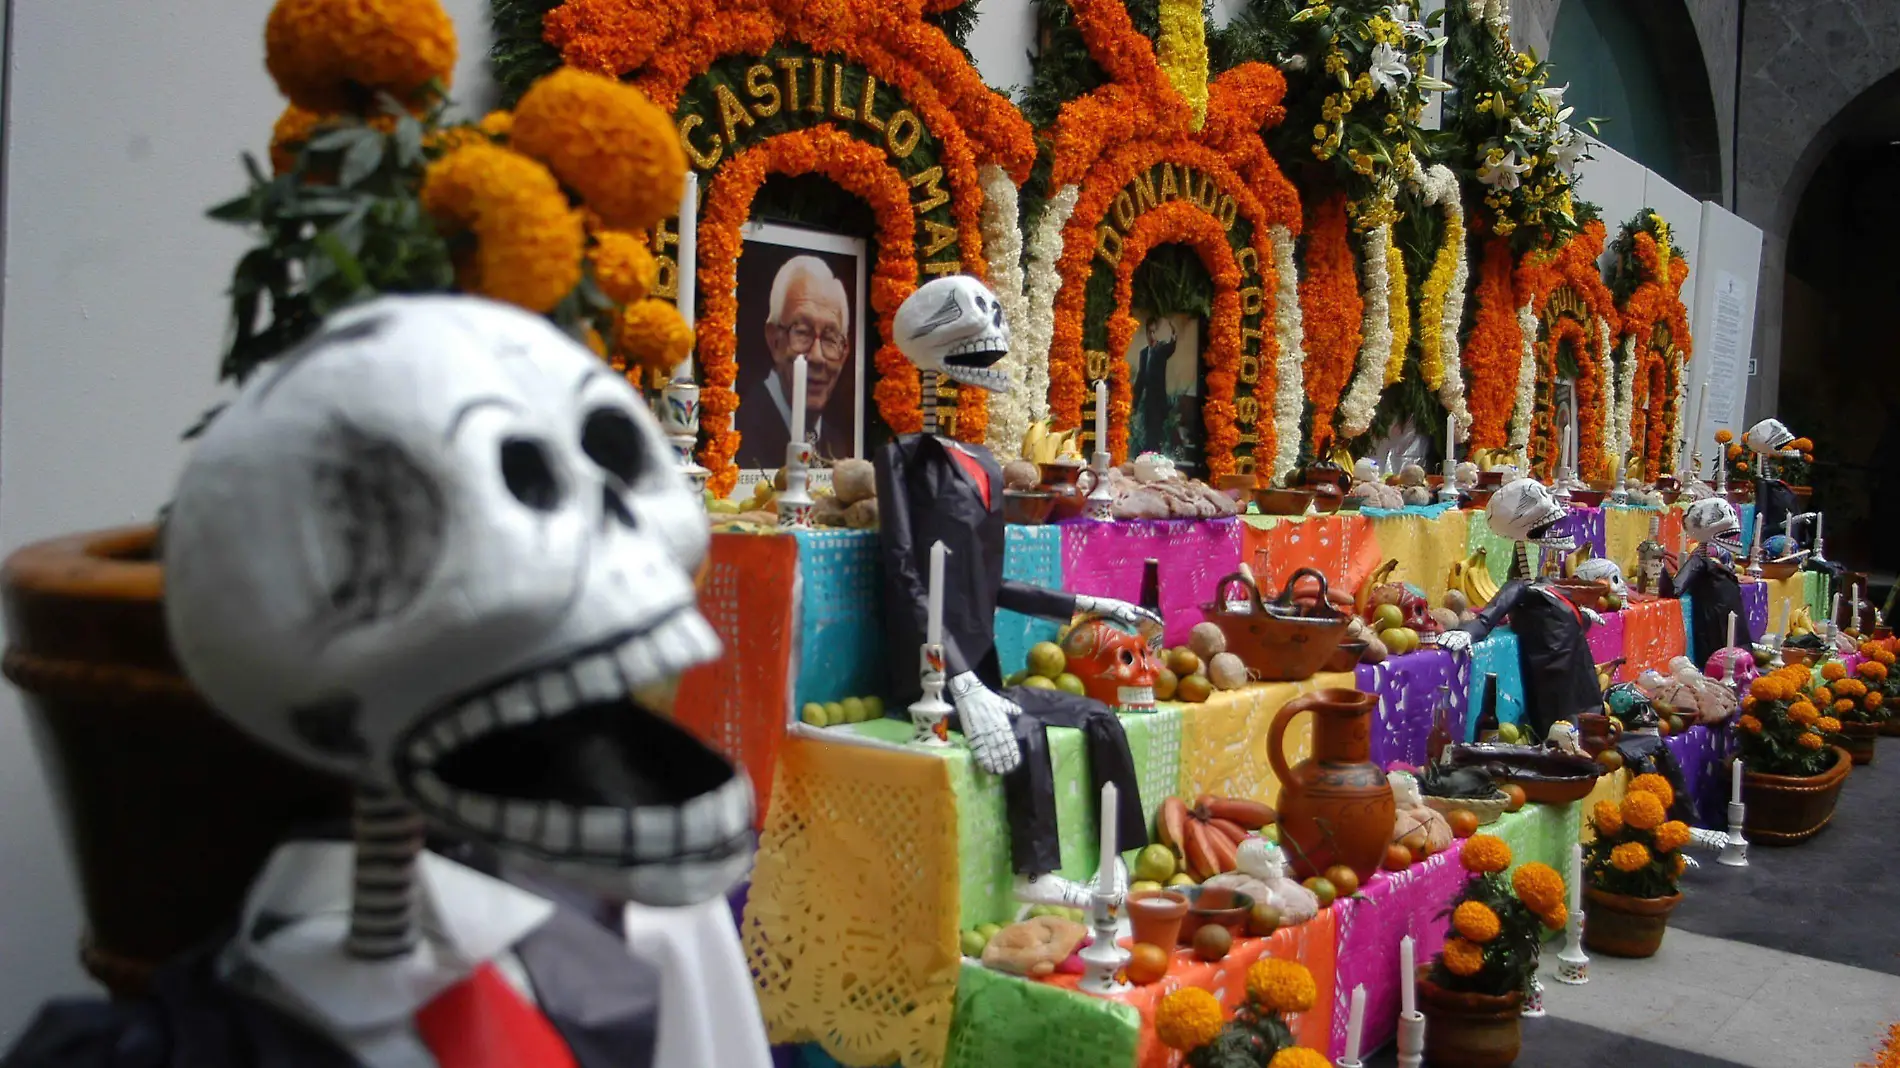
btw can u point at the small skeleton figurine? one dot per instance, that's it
(442, 550)
(934, 489)
(1770, 439)
(1708, 577)
(1560, 675)
(1600, 569)
(1565, 738)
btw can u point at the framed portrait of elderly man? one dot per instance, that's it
(801, 293)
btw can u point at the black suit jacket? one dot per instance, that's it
(763, 434)
(1715, 592)
(1560, 675)
(925, 497)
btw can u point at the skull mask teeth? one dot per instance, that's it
(955, 326)
(1712, 521)
(1525, 510)
(1770, 437)
(441, 547)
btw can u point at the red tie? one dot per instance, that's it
(973, 468)
(481, 1022)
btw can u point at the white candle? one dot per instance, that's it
(1853, 609)
(1755, 546)
(1355, 1022)
(1730, 644)
(1451, 443)
(1408, 997)
(1695, 429)
(1101, 416)
(688, 258)
(1576, 879)
(1735, 781)
(1834, 614)
(798, 399)
(934, 631)
(1817, 530)
(1107, 820)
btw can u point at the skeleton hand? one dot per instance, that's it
(1592, 617)
(1128, 615)
(985, 718)
(1455, 642)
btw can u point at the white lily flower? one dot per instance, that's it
(1433, 85)
(1569, 151)
(1554, 97)
(1504, 173)
(1564, 115)
(1389, 71)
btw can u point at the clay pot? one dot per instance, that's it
(1218, 905)
(1599, 732)
(1273, 500)
(1156, 916)
(170, 810)
(1028, 507)
(1623, 926)
(1858, 739)
(1891, 727)
(1469, 1030)
(1063, 480)
(1336, 807)
(1786, 809)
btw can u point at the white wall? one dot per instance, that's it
(125, 123)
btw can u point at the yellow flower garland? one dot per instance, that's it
(1431, 302)
(1398, 310)
(1182, 52)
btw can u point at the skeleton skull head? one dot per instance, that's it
(442, 549)
(1525, 510)
(1606, 571)
(1712, 521)
(1365, 469)
(955, 326)
(1768, 437)
(1116, 668)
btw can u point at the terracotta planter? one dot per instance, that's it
(1469, 1030)
(1786, 809)
(1156, 915)
(168, 808)
(1858, 739)
(1623, 926)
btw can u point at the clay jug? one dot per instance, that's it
(1335, 808)
(1599, 731)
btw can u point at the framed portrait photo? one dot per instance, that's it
(800, 293)
(1164, 373)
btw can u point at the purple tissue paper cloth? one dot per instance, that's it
(1391, 905)
(1407, 688)
(1105, 560)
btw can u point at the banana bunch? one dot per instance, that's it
(1473, 576)
(1362, 604)
(1042, 447)
(1800, 622)
(1493, 459)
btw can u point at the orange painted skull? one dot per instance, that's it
(1116, 668)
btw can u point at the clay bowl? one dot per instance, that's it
(1236, 486)
(1346, 657)
(1490, 479)
(1327, 503)
(1583, 594)
(1277, 501)
(1795, 654)
(1586, 498)
(1216, 905)
(1777, 572)
(1028, 507)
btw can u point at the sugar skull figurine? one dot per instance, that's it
(1560, 675)
(931, 489)
(1708, 578)
(442, 550)
(1116, 668)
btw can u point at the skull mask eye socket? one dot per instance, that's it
(610, 439)
(529, 474)
(1127, 658)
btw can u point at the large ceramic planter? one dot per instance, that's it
(1469, 1030)
(1891, 727)
(1621, 926)
(168, 808)
(1858, 739)
(1786, 809)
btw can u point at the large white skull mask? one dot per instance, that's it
(1525, 510)
(438, 548)
(1712, 521)
(1770, 437)
(955, 326)
(1606, 571)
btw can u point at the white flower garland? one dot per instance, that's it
(1045, 251)
(1375, 349)
(1625, 402)
(1440, 188)
(1607, 363)
(1003, 249)
(1674, 458)
(1526, 382)
(1289, 332)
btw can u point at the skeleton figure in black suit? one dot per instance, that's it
(934, 489)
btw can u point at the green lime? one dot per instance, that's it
(814, 714)
(854, 710)
(1046, 659)
(875, 706)
(1038, 682)
(973, 944)
(834, 711)
(1068, 683)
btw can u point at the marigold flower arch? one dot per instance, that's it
(1656, 320)
(1565, 292)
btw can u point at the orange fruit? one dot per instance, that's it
(1514, 797)
(1611, 760)
(1463, 821)
(1147, 964)
(1212, 942)
(1263, 920)
(1397, 857)
(1193, 689)
(1345, 881)
(1323, 889)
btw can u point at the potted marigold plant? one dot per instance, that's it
(370, 188)
(1860, 705)
(1191, 1020)
(1793, 776)
(1630, 870)
(1885, 683)
(1472, 994)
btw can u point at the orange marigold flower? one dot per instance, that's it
(623, 267)
(1682, 863)
(528, 242)
(1475, 921)
(1768, 688)
(1850, 688)
(1555, 918)
(1630, 856)
(1874, 701)
(1652, 783)
(1803, 444)
(1803, 713)
(1299, 1057)
(1872, 671)
(1462, 958)
(1643, 811)
(497, 123)
(1741, 468)
(335, 55)
(1834, 671)
(1188, 1019)
(653, 335)
(1672, 836)
(1810, 741)
(1281, 986)
(288, 134)
(1606, 816)
(1830, 725)
(1734, 452)
(1723, 437)
(1750, 724)
(1485, 853)
(607, 142)
(1842, 707)
(594, 342)
(1822, 696)
(1538, 886)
